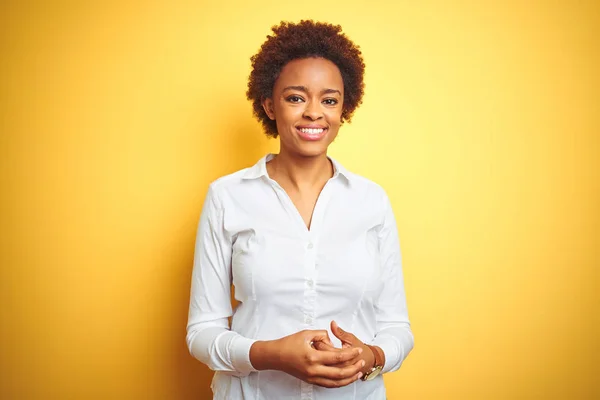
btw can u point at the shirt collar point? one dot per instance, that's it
(257, 170)
(339, 170)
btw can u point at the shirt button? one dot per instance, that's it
(310, 245)
(311, 283)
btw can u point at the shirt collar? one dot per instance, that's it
(260, 169)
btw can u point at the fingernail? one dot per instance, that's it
(363, 363)
(359, 375)
(360, 350)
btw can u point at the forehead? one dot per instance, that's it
(313, 73)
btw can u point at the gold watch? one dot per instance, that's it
(376, 370)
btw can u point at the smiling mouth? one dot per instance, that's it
(311, 133)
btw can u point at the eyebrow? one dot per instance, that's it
(304, 89)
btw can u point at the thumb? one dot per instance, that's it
(340, 333)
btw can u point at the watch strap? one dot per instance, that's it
(378, 360)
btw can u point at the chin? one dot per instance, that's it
(313, 153)
(305, 152)
(311, 149)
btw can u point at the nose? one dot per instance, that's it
(313, 110)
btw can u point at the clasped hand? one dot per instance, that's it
(310, 356)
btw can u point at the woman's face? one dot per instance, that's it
(307, 103)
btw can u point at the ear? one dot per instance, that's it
(268, 107)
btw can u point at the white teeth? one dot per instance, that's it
(311, 131)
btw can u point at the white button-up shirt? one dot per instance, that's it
(346, 267)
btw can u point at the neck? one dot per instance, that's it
(301, 171)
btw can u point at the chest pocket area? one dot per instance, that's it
(267, 265)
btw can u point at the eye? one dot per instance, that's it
(330, 102)
(295, 99)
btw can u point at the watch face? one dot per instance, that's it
(373, 374)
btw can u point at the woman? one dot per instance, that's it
(309, 246)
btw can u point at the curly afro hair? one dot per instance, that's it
(303, 40)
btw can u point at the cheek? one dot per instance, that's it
(288, 115)
(335, 118)
(281, 117)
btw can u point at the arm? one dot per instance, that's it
(394, 336)
(209, 338)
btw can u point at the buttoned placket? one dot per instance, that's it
(310, 241)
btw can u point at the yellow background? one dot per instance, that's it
(481, 120)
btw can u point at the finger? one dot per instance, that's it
(358, 363)
(327, 341)
(336, 357)
(319, 336)
(348, 363)
(324, 346)
(335, 373)
(330, 383)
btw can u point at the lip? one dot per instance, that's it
(313, 126)
(311, 136)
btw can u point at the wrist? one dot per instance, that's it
(262, 356)
(377, 366)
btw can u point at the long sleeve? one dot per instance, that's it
(209, 338)
(394, 335)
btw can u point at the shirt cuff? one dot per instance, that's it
(240, 354)
(390, 350)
